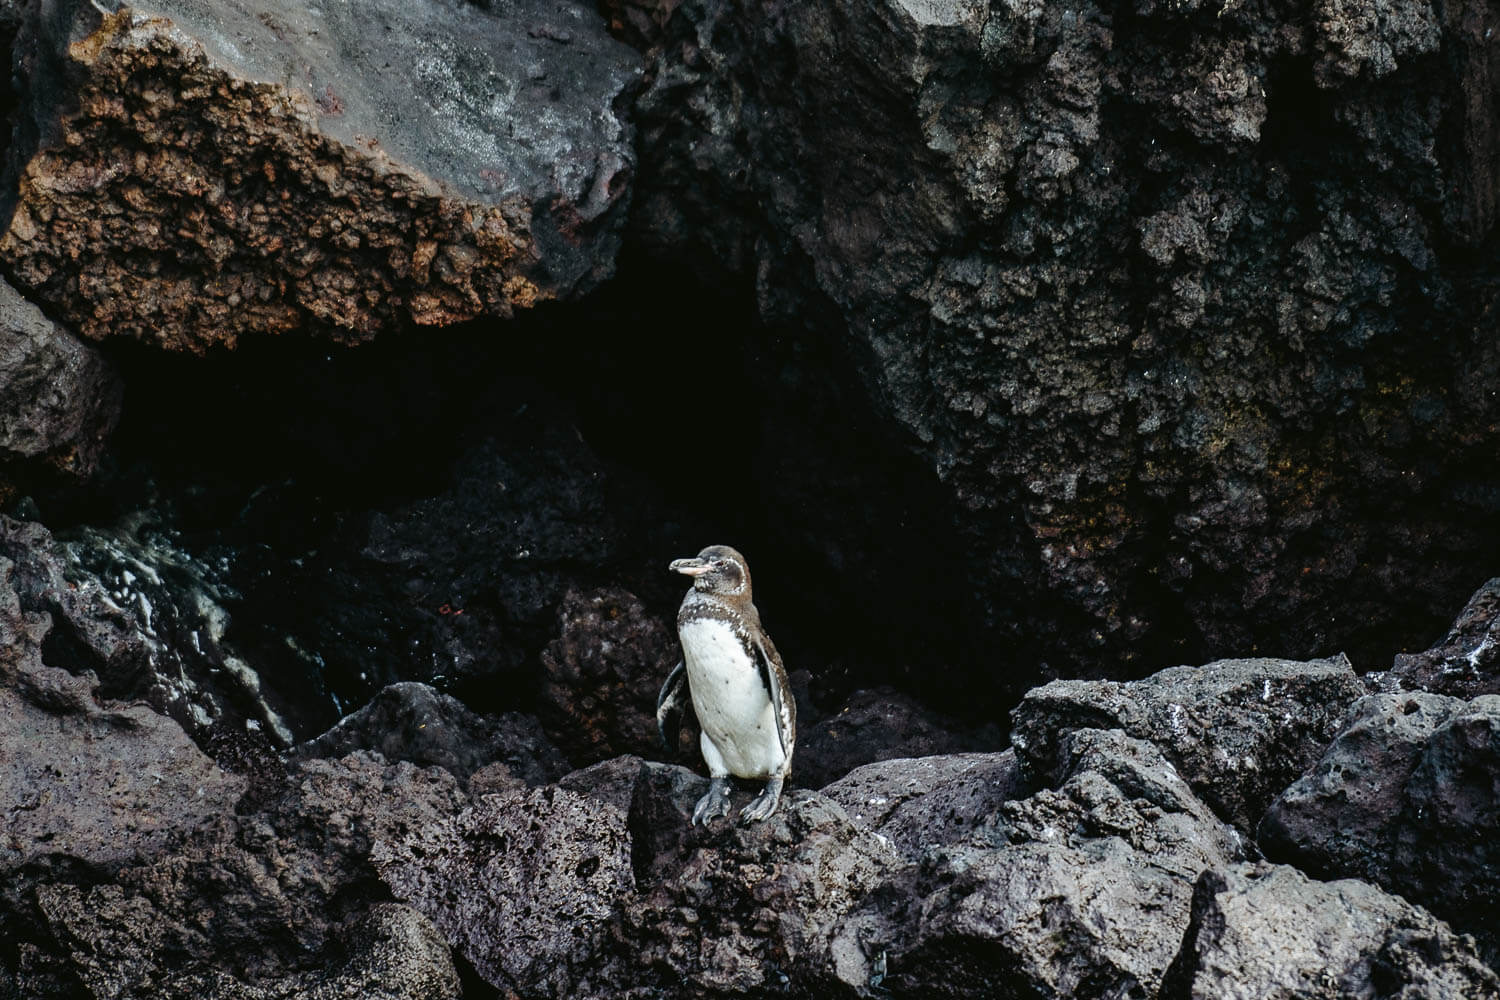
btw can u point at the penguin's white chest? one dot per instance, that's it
(730, 699)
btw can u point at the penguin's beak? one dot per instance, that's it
(689, 567)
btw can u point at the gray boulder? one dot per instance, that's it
(192, 172)
(1239, 731)
(923, 802)
(1079, 891)
(1408, 798)
(1268, 932)
(59, 399)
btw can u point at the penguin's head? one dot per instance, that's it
(718, 569)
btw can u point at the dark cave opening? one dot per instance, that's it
(657, 407)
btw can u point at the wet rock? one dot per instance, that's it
(101, 782)
(148, 617)
(523, 883)
(923, 802)
(1083, 890)
(1465, 663)
(1154, 292)
(1405, 798)
(602, 673)
(192, 173)
(59, 399)
(1268, 931)
(1239, 731)
(413, 722)
(873, 725)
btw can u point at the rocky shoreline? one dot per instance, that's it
(361, 368)
(1266, 828)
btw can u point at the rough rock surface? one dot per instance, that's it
(922, 802)
(59, 399)
(413, 722)
(1408, 797)
(1465, 663)
(133, 866)
(1270, 932)
(523, 883)
(602, 675)
(129, 603)
(1080, 891)
(748, 909)
(193, 172)
(1176, 299)
(1239, 731)
(878, 724)
(101, 782)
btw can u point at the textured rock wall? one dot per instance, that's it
(1181, 302)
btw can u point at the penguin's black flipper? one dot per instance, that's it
(669, 706)
(773, 676)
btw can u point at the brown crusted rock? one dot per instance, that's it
(522, 883)
(199, 171)
(59, 399)
(602, 673)
(1271, 933)
(1239, 731)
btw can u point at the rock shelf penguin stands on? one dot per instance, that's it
(739, 690)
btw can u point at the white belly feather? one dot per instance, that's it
(731, 701)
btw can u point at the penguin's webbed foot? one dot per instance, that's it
(714, 804)
(763, 805)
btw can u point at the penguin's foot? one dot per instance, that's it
(714, 804)
(763, 805)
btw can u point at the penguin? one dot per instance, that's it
(731, 671)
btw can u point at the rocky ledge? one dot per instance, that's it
(1244, 828)
(190, 172)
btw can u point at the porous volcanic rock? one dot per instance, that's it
(922, 802)
(523, 883)
(1080, 891)
(1407, 797)
(59, 399)
(1239, 731)
(191, 172)
(751, 908)
(1177, 300)
(1270, 932)
(1465, 663)
(602, 673)
(413, 722)
(278, 902)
